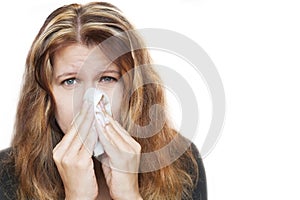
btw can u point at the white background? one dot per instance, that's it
(255, 46)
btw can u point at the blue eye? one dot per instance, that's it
(107, 79)
(70, 82)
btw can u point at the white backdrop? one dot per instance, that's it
(255, 46)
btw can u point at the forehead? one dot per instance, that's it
(80, 57)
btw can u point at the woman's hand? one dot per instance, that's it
(73, 157)
(121, 160)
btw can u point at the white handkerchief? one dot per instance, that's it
(95, 96)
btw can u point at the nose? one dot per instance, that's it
(87, 85)
(78, 94)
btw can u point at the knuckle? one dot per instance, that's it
(138, 148)
(66, 161)
(80, 164)
(72, 162)
(56, 157)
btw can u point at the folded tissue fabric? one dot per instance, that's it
(94, 96)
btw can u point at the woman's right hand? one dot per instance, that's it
(73, 157)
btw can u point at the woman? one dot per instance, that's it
(55, 130)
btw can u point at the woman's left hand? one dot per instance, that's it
(121, 160)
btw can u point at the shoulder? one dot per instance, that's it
(201, 186)
(8, 181)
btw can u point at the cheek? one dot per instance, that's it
(64, 111)
(115, 97)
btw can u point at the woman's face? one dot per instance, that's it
(77, 68)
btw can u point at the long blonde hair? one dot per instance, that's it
(37, 132)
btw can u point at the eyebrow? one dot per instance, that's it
(75, 73)
(66, 74)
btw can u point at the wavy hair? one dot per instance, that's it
(37, 132)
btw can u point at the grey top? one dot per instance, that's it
(9, 182)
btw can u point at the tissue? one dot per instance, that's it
(94, 96)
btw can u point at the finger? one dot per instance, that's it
(116, 147)
(66, 141)
(72, 141)
(79, 118)
(109, 146)
(120, 155)
(83, 129)
(119, 136)
(134, 146)
(121, 131)
(90, 141)
(114, 131)
(61, 148)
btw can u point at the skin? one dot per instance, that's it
(77, 68)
